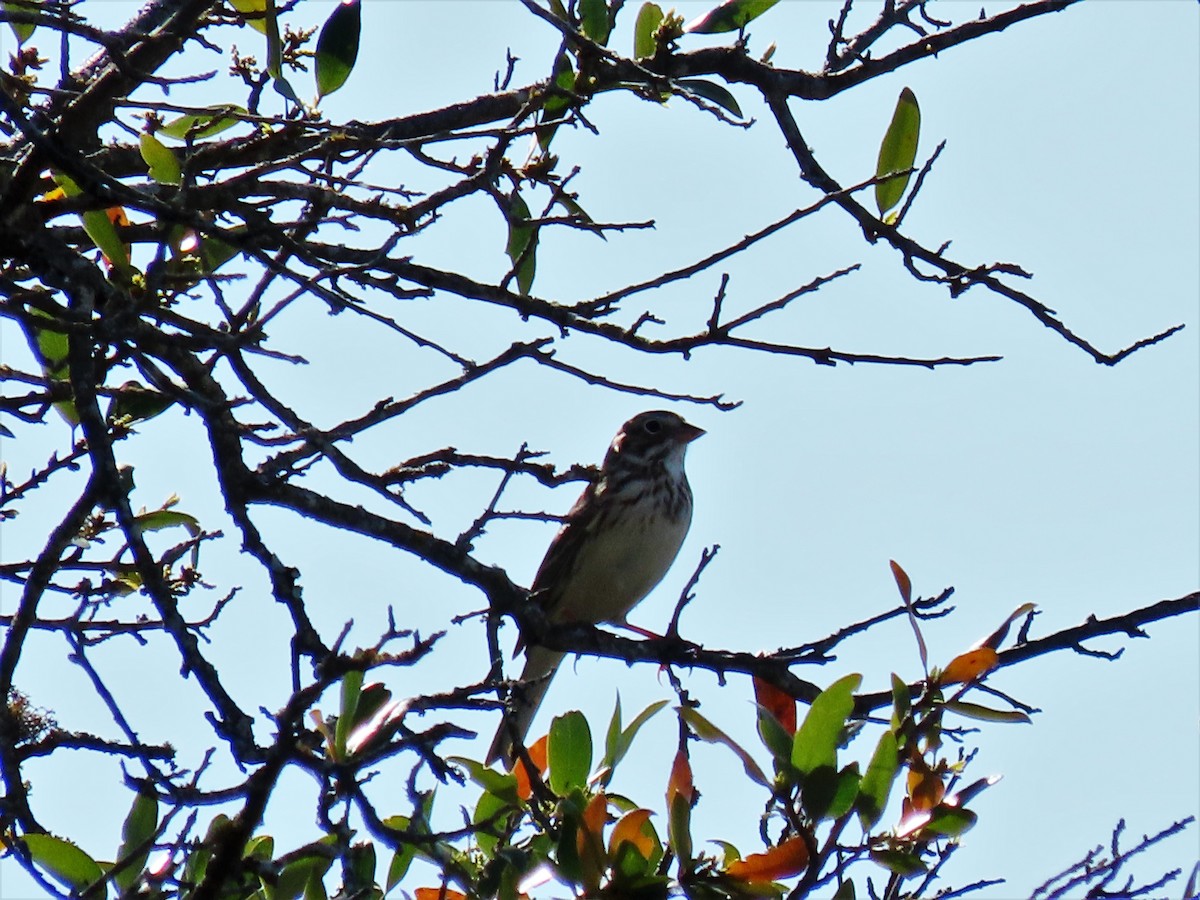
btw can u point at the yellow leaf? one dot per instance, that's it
(630, 830)
(970, 666)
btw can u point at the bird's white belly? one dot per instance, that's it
(618, 568)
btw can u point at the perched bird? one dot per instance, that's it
(616, 544)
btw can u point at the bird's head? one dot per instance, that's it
(650, 436)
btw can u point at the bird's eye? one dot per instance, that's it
(653, 426)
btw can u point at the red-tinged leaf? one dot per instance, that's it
(631, 829)
(679, 784)
(589, 842)
(925, 787)
(777, 702)
(438, 893)
(681, 793)
(788, 859)
(902, 581)
(972, 790)
(969, 666)
(538, 753)
(994, 639)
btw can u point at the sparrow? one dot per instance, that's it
(614, 547)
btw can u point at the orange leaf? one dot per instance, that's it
(537, 752)
(969, 666)
(629, 830)
(902, 580)
(442, 893)
(779, 703)
(680, 782)
(596, 814)
(925, 788)
(589, 842)
(788, 859)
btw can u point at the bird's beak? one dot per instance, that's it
(688, 433)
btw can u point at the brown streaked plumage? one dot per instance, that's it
(617, 543)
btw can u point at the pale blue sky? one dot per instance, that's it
(1072, 151)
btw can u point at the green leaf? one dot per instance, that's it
(844, 792)
(612, 736)
(593, 17)
(817, 737)
(898, 861)
(161, 160)
(68, 865)
(774, 737)
(22, 30)
(898, 151)
(733, 15)
(950, 821)
(337, 47)
(209, 121)
(707, 731)
(556, 104)
(48, 345)
(167, 518)
(295, 879)
(138, 830)
(488, 818)
(522, 243)
(502, 784)
(623, 742)
(649, 17)
(136, 403)
(569, 752)
(876, 784)
(99, 227)
(51, 348)
(404, 854)
(351, 689)
(986, 713)
(711, 91)
(255, 12)
(901, 700)
(679, 828)
(845, 891)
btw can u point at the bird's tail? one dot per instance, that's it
(540, 666)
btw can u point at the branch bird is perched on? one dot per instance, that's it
(616, 544)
